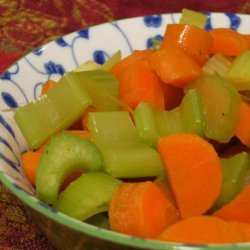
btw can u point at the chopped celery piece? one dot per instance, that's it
(112, 127)
(156, 43)
(239, 73)
(66, 153)
(101, 86)
(148, 123)
(152, 124)
(53, 112)
(87, 66)
(234, 173)
(124, 155)
(108, 65)
(194, 18)
(217, 64)
(88, 195)
(131, 160)
(221, 105)
(91, 65)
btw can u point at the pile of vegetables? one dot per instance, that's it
(154, 145)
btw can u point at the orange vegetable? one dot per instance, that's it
(238, 209)
(174, 66)
(227, 42)
(247, 39)
(166, 190)
(194, 171)
(195, 41)
(30, 162)
(173, 96)
(201, 230)
(242, 228)
(243, 128)
(47, 86)
(122, 65)
(139, 83)
(141, 209)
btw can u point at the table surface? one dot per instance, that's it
(26, 24)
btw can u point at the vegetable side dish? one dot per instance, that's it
(154, 145)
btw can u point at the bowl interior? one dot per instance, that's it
(22, 83)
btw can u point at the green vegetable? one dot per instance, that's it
(124, 155)
(153, 124)
(217, 64)
(194, 18)
(101, 86)
(66, 153)
(53, 112)
(221, 105)
(88, 195)
(91, 65)
(239, 73)
(234, 173)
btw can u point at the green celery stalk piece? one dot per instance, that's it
(87, 66)
(194, 18)
(147, 121)
(152, 124)
(101, 86)
(66, 153)
(217, 64)
(234, 173)
(124, 155)
(221, 105)
(131, 160)
(114, 59)
(239, 73)
(88, 195)
(107, 66)
(53, 112)
(156, 43)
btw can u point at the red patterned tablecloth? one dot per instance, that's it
(26, 24)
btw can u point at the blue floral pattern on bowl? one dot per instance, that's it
(22, 83)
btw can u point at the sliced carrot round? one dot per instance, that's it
(141, 209)
(201, 230)
(194, 171)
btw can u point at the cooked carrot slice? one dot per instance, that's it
(227, 42)
(195, 41)
(201, 230)
(194, 171)
(238, 209)
(174, 66)
(141, 209)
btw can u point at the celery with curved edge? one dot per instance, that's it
(88, 195)
(234, 173)
(124, 155)
(66, 153)
(194, 18)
